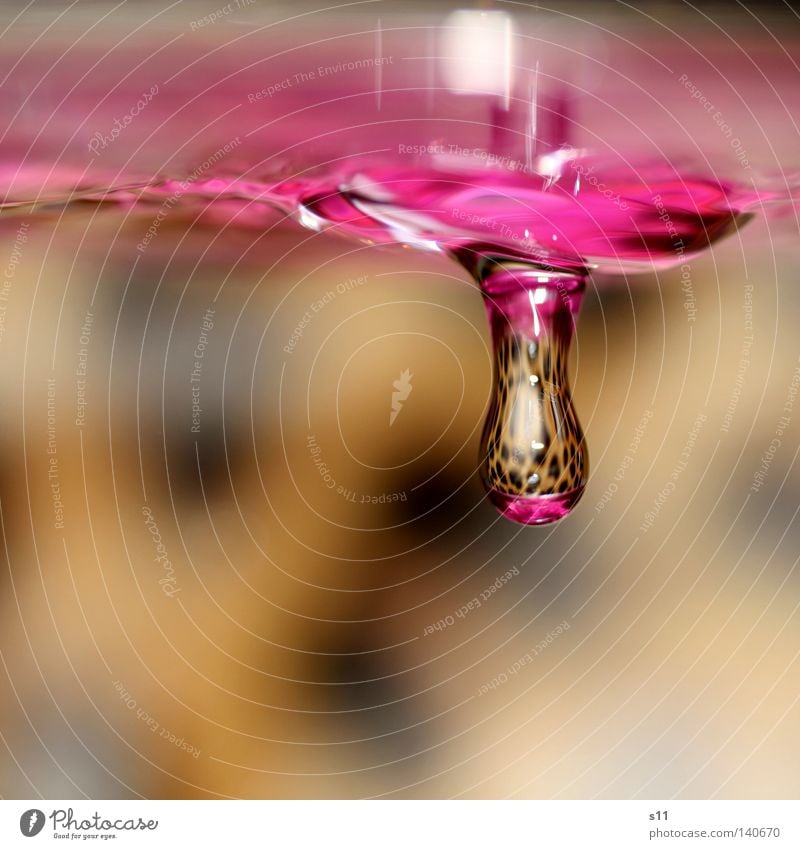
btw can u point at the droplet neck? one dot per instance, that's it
(534, 461)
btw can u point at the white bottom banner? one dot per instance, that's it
(495, 824)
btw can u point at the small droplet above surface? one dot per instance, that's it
(534, 462)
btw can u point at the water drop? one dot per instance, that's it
(534, 461)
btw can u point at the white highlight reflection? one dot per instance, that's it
(477, 53)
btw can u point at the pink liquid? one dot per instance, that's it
(576, 217)
(529, 238)
(369, 132)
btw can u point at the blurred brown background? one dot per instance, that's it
(295, 651)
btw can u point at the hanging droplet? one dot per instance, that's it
(534, 462)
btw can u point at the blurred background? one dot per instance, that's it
(228, 573)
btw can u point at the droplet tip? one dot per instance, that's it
(535, 509)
